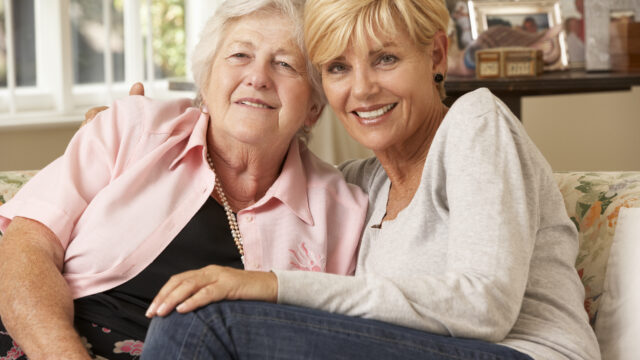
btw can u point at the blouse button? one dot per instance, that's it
(249, 218)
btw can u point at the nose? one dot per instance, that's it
(364, 83)
(259, 75)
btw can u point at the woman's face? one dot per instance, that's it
(258, 92)
(385, 94)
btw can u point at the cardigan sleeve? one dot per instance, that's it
(488, 176)
(58, 194)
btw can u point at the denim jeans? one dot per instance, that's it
(255, 330)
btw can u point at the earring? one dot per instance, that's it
(438, 78)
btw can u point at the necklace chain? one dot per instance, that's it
(233, 222)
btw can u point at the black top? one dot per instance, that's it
(205, 240)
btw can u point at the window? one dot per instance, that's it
(17, 46)
(92, 41)
(115, 43)
(60, 57)
(3, 49)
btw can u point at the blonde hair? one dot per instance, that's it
(330, 26)
(227, 13)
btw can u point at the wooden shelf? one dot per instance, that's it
(512, 90)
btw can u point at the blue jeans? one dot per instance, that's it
(255, 330)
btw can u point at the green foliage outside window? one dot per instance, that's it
(169, 39)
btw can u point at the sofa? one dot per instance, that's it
(593, 201)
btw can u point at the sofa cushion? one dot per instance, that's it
(10, 182)
(593, 201)
(617, 327)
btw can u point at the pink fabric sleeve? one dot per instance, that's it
(59, 193)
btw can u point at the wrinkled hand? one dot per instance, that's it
(190, 290)
(136, 89)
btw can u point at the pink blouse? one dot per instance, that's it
(131, 179)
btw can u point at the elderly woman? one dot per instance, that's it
(467, 252)
(151, 189)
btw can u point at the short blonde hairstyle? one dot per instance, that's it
(330, 26)
(227, 13)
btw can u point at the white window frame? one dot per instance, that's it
(55, 99)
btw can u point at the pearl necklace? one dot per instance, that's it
(233, 223)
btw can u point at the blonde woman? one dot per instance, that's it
(467, 252)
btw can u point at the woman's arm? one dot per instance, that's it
(39, 312)
(192, 289)
(480, 189)
(35, 301)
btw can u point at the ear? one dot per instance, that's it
(439, 52)
(314, 115)
(203, 104)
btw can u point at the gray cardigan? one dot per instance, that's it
(484, 250)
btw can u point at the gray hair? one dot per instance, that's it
(214, 32)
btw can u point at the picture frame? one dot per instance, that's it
(598, 17)
(533, 16)
(460, 23)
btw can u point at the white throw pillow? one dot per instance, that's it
(618, 322)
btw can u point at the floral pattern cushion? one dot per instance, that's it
(10, 182)
(593, 201)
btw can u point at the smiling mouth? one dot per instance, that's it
(375, 113)
(255, 105)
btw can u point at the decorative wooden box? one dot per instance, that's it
(624, 45)
(508, 62)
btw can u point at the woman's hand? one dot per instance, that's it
(136, 89)
(192, 289)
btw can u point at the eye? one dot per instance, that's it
(387, 59)
(284, 64)
(238, 57)
(287, 64)
(336, 68)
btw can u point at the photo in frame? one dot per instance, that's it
(529, 23)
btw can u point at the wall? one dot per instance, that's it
(33, 148)
(587, 132)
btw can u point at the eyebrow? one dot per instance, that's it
(279, 51)
(371, 53)
(384, 45)
(283, 51)
(241, 43)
